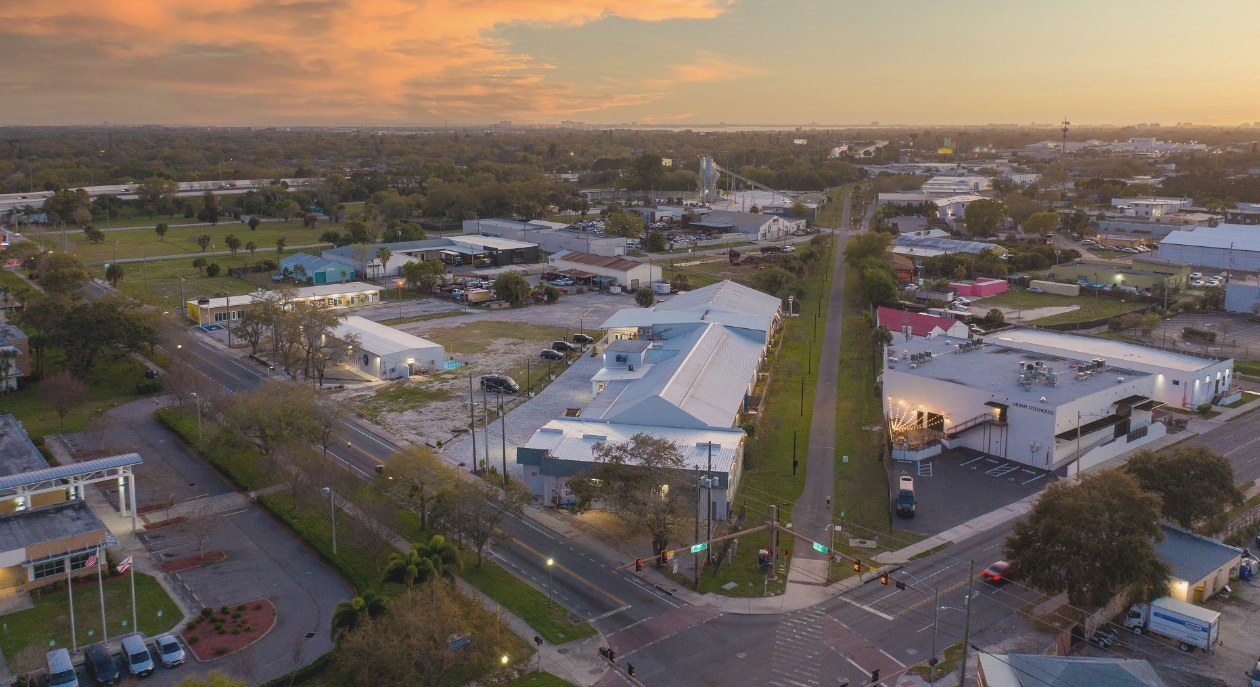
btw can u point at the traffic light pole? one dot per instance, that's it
(962, 668)
(936, 611)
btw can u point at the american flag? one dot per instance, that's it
(124, 565)
(91, 561)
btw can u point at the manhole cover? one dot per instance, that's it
(310, 635)
(741, 655)
(912, 651)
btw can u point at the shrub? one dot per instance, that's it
(1205, 408)
(236, 630)
(206, 612)
(219, 629)
(236, 615)
(224, 610)
(258, 606)
(241, 607)
(1198, 334)
(220, 651)
(193, 639)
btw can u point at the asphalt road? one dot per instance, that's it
(1238, 440)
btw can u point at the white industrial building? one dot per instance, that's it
(684, 375)
(756, 225)
(387, 353)
(1046, 400)
(946, 186)
(629, 274)
(551, 237)
(1225, 246)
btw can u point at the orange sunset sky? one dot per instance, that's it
(398, 62)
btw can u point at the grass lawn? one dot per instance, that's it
(50, 619)
(476, 337)
(540, 680)
(1247, 367)
(711, 270)
(1090, 307)
(767, 475)
(834, 209)
(552, 621)
(423, 318)
(947, 667)
(12, 282)
(112, 381)
(399, 398)
(1247, 397)
(242, 466)
(1110, 254)
(138, 243)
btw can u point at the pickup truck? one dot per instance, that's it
(1189, 625)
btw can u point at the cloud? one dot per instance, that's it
(260, 61)
(711, 68)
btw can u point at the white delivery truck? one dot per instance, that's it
(1191, 626)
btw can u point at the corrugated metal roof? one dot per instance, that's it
(380, 339)
(946, 245)
(724, 295)
(63, 471)
(1236, 236)
(573, 440)
(611, 263)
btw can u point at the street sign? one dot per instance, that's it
(699, 547)
(820, 548)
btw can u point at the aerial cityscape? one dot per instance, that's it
(572, 344)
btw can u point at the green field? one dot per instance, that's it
(31, 630)
(140, 243)
(551, 620)
(1090, 306)
(112, 381)
(158, 282)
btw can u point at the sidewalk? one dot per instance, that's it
(575, 661)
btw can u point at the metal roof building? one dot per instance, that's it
(1200, 566)
(926, 246)
(1224, 246)
(387, 353)
(1032, 670)
(727, 303)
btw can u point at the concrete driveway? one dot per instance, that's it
(263, 559)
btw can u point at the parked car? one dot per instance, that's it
(99, 664)
(561, 281)
(789, 249)
(500, 383)
(905, 496)
(1196, 275)
(457, 294)
(963, 301)
(552, 355)
(996, 573)
(168, 650)
(482, 264)
(136, 654)
(583, 339)
(1036, 289)
(61, 669)
(1196, 282)
(563, 346)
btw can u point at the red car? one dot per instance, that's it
(996, 573)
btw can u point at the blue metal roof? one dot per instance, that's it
(64, 471)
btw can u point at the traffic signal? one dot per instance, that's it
(901, 585)
(932, 662)
(831, 557)
(857, 565)
(538, 640)
(883, 578)
(630, 669)
(664, 557)
(784, 552)
(638, 565)
(875, 676)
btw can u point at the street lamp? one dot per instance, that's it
(400, 299)
(332, 515)
(794, 451)
(550, 583)
(198, 404)
(504, 660)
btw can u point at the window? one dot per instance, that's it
(78, 561)
(238, 314)
(220, 317)
(50, 568)
(1176, 383)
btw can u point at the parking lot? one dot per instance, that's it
(961, 484)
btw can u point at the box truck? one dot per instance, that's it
(1189, 625)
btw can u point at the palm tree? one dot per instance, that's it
(348, 614)
(424, 562)
(384, 254)
(251, 247)
(280, 244)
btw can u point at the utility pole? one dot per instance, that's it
(936, 612)
(962, 668)
(774, 540)
(485, 403)
(1063, 150)
(709, 501)
(503, 428)
(472, 420)
(696, 556)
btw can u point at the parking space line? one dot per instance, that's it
(1002, 470)
(1033, 479)
(972, 461)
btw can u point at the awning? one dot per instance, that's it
(1130, 401)
(1149, 405)
(1093, 426)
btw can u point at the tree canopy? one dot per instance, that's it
(1194, 483)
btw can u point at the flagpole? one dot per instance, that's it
(100, 583)
(74, 639)
(134, 627)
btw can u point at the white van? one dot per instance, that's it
(61, 669)
(136, 654)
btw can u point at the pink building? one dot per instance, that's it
(979, 288)
(919, 324)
